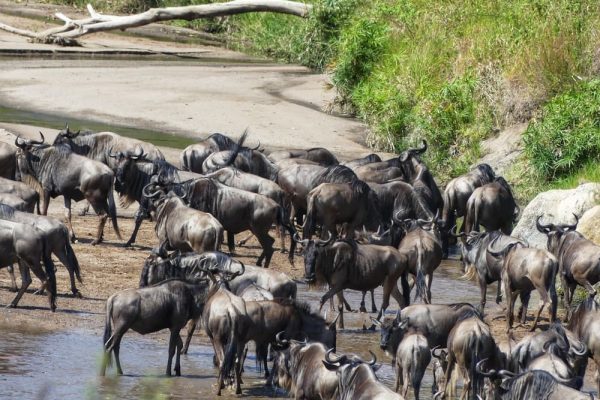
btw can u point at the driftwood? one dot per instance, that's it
(65, 35)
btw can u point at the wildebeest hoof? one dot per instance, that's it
(13, 289)
(374, 310)
(77, 294)
(11, 305)
(96, 241)
(283, 251)
(127, 244)
(372, 327)
(39, 292)
(362, 309)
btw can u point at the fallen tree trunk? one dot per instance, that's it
(72, 29)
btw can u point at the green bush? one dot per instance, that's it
(567, 135)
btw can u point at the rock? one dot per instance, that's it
(589, 224)
(558, 207)
(502, 151)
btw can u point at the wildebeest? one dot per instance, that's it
(351, 204)
(459, 189)
(226, 323)
(253, 292)
(238, 211)
(399, 199)
(298, 368)
(422, 248)
(410, 354)
(56, 236)
(56, 170)
(193, 156)
(180, 227)
(492, 206)
(167, 305)
(346, 264)
(578, 257)
(480, 265)
(185, 266)
(316, 154)
(19, 190)
(357, 162)
(16, 202)
(356, 378)
(585, 324)
(26, 245)
(523, 270)
(8, 161)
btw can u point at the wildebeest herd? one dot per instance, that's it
(358, 225)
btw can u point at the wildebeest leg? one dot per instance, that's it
(244, 240)
(388, 287)
(68, 218)
(100, 232)
(406, 379)
(398, 297)
(510, 299)
(545, 298)
(522, 314)
(238, 368)
(399, 380)
(449, 369)
(571, 291)
(281, 229)
(13, 280)
(341, 301)
(498, 292)
(588, 286)
(46, 199)
(428, 282)
(138, 218)
(84, 209)
(25, 282)
(178, 355)
(63, 257)
(191, 327)
(116, 350)
(596, 359)
(173, 345)
(373, 306)
(231, 242)
(483, 292)
(266, 242)
(362, 302)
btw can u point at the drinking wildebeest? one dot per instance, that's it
(8, 161)
(298, 368)
(410, 354)
(56, 236)
(56, 170)
(357, 162)
(180, 227)
(20, 190)
(226, 323)
(492, 206)
(356, 378)
(193, 156)
(530, 385)
(585, 324)
(578, 257)
(523, 270)
(26, 245)
(480, 265)
(318, 155)
(346, 264)
(167, 305)
(553, 361)
(238, 211)
(291, 318)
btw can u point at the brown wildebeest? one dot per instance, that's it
(381, 176)
(318, 155)
(492, 206)
(346, 264)
(193, 156)
(167, 305)
(523, 270)
(422, 248)
(8, 161)
(469, 342)
(578, 258)
(27, 245)
(56, 170)
(180, 227)
(226, 323)
(298, 368)
(19, 190)
(585, 324)
(356, 378)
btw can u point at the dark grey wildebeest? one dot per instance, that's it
(180, 227)
(298, 368)
(29, 197)
(578, 257)
(492, 206)
(8, 161)
(357, 379)
(399, 199)
(357, 162)
(56, 236)
(318, 155)
(585, 324)
(193, 156)
(167, 305)
(16, 202)
(238, 211)
(523, 270)
(346, 264)
(56, 170)
(26, 245)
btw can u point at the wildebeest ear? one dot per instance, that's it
(403, 324)
(330, 366)
(376, 321)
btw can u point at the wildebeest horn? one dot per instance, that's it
(501, 252)
(570, 227)
(138, 154)
(437, 352)
(456, 235)
(339, 359)
(238, 273)
(115, 155)
(320, 242)
(479, 368)
(20, 142)
(422, 149)
(184, 193)
(543, 228)
(302, 342)
(257, 147)
(37, 141)
(579, 350)
(280, 340)
(298, 239)
(373, 359)
(145, 192)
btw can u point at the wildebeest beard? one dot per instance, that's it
(38, 166)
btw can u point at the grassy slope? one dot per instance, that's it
(450, 72)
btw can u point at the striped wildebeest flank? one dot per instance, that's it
(56, 236)
(27, 246)
(12, 191)
(492, 206)
(55, 170)
(8, 161)
(167, 305)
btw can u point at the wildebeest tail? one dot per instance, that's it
(476, 378)
(283, 221)
(472, 217)
(108, 329)
(230, 354)
(310, 219)
(112, 211)
(145, 273)
(239, 146)
(421, 291)
(552, 291)
(50, 272)
(71, 257)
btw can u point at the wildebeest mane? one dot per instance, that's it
(91, 145)
(312, 322)
(202, 194)
(535, 384)
(502, 182)
(6, 211)
(335, 174)
(469, 313)
(223, 142)
(486, 174)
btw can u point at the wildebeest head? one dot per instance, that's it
(65, 136)
(125, 161)
(345, 367)
(312, 249)
(27, 144)
(392, 332)
(554, 232)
